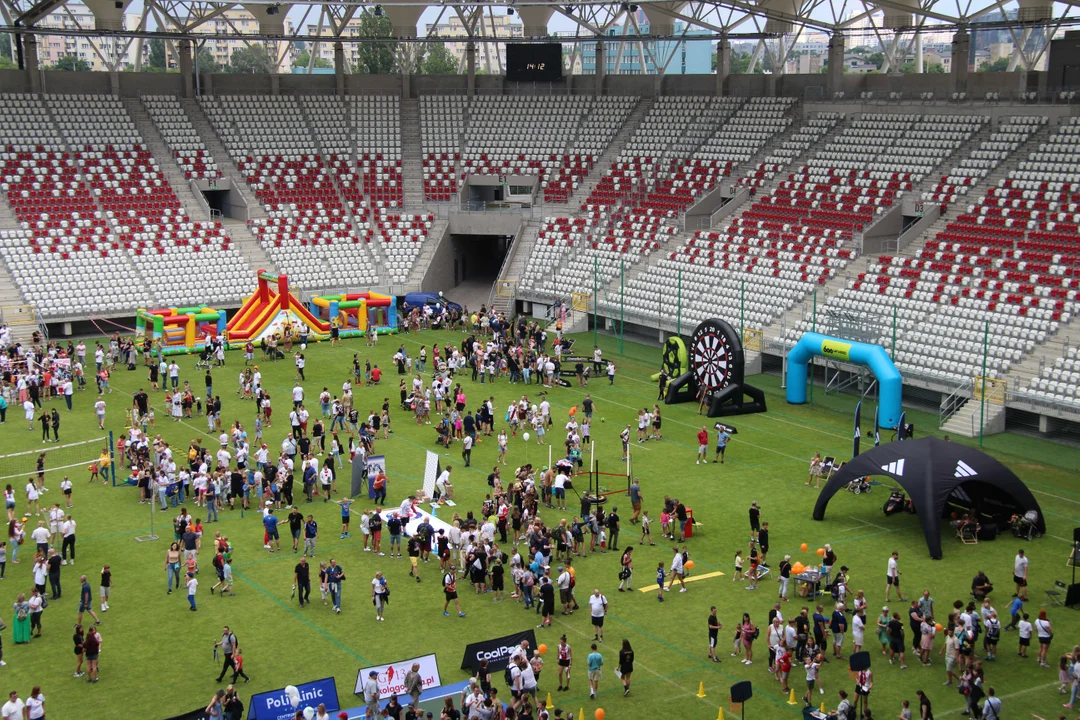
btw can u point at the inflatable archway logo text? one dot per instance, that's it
(890, 384)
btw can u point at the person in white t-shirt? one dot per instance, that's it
(13, 708)
(892, 577)
(35, 704)
(1020, 574)
(597, 610)
(99, 410)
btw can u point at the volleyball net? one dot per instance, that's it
(57, 460)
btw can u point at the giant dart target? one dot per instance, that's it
(714, 377)
(716, 356)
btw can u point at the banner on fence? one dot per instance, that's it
(391, 677)
(275, 705)
(496, 652)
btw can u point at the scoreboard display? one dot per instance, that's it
(533, 62)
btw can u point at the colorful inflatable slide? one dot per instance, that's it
(269, 309)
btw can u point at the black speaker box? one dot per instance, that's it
(743, 691)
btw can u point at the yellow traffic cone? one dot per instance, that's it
(720, 714)
(581, 713)
(791, 698)
(822, 708)
(701, 690)
(550, 703)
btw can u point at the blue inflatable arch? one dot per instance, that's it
(890, 384)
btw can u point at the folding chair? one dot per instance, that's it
(1055, 594)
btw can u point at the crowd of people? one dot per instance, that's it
(516, 544)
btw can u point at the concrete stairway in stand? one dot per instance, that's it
(155, 143)
(412, 163)
(514, 264)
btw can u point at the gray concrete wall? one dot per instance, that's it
(440, 272)
(14, 81)
(809, 87)
(382, 84)
(885, 229)
(308, 84)
(230, 84)
(135, 84)
(75, 83)
(484, 223)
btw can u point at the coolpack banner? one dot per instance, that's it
(392, 676)
(496, 652)
(275, 705)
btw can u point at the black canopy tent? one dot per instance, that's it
(936, 475)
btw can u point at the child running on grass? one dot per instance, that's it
(660, 581)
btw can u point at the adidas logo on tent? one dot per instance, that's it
(894, 468)
(964, 470)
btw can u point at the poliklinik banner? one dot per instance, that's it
(275, 705)
(391, 677)
(496, 652)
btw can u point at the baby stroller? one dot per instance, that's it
(860, 485)
(895, 503)
(1026, 526)
(205, 357)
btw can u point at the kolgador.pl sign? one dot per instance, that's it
(391, 677)
(275, 705)
(496, 652)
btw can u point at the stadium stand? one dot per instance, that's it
(179, 134)
(1003, 270)
(442, 124)
(308, 232)
(92, 203)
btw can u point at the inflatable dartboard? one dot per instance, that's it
(716, 356)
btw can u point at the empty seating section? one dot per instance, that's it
(606, 115)
(795, 239)
(96, 214)
(1010, 134)
(520, 135)
(163, 243)
(442, 126)
(801, 141)
(308, 232)
(1060, 383)
(180, 135)
(62, 258)
(1006, 272)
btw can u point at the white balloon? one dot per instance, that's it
(293, 695)
(303, 346)
(525, 437)
(309, 712)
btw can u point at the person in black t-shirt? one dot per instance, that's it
(763, 543)
(302, 580)
(755, 520)
(714, 631)
(142, 402)
(296, 524)
(896, 639)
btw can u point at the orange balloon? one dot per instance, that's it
(599, 714)
(798, 568)
(542, 649)
(937, 626)
(804, 547)
(821, 552)
(690, 564)
(573, 411)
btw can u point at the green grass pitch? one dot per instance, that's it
(157, 656)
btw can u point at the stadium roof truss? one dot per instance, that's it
(892, 26)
